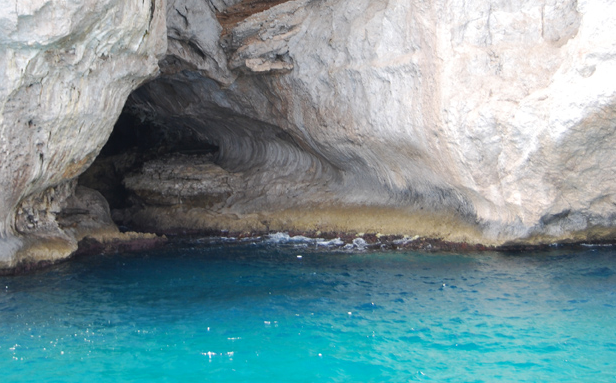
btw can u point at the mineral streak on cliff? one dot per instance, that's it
(477, 121)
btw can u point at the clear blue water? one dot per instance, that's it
(258, 313)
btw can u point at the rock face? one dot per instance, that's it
(477, 121)
(66, 69)
(474, 120)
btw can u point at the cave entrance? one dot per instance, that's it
(189, 152)
(133, 142)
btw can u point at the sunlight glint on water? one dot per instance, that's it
(260, 313)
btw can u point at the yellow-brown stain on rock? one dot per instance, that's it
(73, 169)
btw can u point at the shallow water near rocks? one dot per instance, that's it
(292, 313)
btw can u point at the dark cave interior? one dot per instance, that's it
(132, 143)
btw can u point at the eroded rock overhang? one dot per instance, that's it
(467, 121)
(293, 148)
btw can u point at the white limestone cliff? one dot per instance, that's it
(66, 69)
(479, 121)
(501, 114)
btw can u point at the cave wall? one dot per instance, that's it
(475, 121)
(496, 116)
(66, 69)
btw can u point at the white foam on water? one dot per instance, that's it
(302, 241)
(357, 244)
(597, 244)
(285, 238)
(331, 243)
(360, 243)
(405, 240)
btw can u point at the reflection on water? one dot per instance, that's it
(258, 312)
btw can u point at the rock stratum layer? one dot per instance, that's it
(471, 121)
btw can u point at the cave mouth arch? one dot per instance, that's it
(182, 156)
(133, 142)
(188, 155)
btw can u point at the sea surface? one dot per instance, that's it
(301, 311)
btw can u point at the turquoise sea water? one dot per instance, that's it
(259, 313)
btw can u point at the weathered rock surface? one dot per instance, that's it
(494, 116)
(66, 69)
(477, 121)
